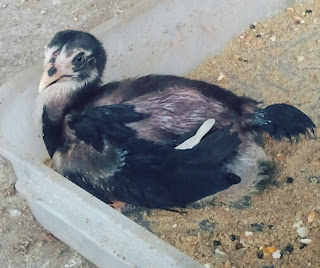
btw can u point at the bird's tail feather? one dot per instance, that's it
(283, 121)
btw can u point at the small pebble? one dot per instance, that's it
(273, 38)
(246, 233)
(218, 251)
(258, 36)
(314, 179)
(289, 248)
(252, 26)
(267, 251)
(302, 231)
(236, 57)
(289, 180)
(290, 10)
(207, 265)
(10, 191)
(280, 156)
(297, 224)
(239, 246)
(216, 243)
(233, 237)
(220, 77)
(260, 255)
(271, 249)
(311, 216)
(302, 246)
(308, 11)
(241, 204)
(300, 58)
(4, 5)
(306, 241)
(227, 264)
(258, 227)
(207, 225)
(39, 244)
(277, 254)
(42, 12)
(174, 226)
(297, 19)
(14, 213)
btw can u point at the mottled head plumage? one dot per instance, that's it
(81, 40)
(73, 59)
(74, 63)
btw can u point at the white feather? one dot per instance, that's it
(201, 132)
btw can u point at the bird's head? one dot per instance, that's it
(73, 60)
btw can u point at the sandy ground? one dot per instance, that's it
(26, 26)
(272, 61)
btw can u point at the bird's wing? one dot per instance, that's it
(155, 175)
(94, 125)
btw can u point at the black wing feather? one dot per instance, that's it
(106, 122)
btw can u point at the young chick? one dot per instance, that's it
(121, 141)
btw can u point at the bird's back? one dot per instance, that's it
(176, 106)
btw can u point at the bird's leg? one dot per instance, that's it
(117, 205)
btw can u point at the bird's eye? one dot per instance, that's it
(79, 59)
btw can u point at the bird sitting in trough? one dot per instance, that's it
(156, 141)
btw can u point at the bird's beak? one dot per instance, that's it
(46, 79)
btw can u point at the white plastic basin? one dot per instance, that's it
(166, 37)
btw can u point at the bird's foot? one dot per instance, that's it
(48, 162)
(118, 205)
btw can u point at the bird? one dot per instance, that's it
(154, 141)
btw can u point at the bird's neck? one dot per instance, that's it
(53, 113)
(59, 101)
(54, 105)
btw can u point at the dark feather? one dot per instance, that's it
(133, 88)
(158, 176)
(283, 121)
(106, 122)
(52, 133)
(155, 175)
